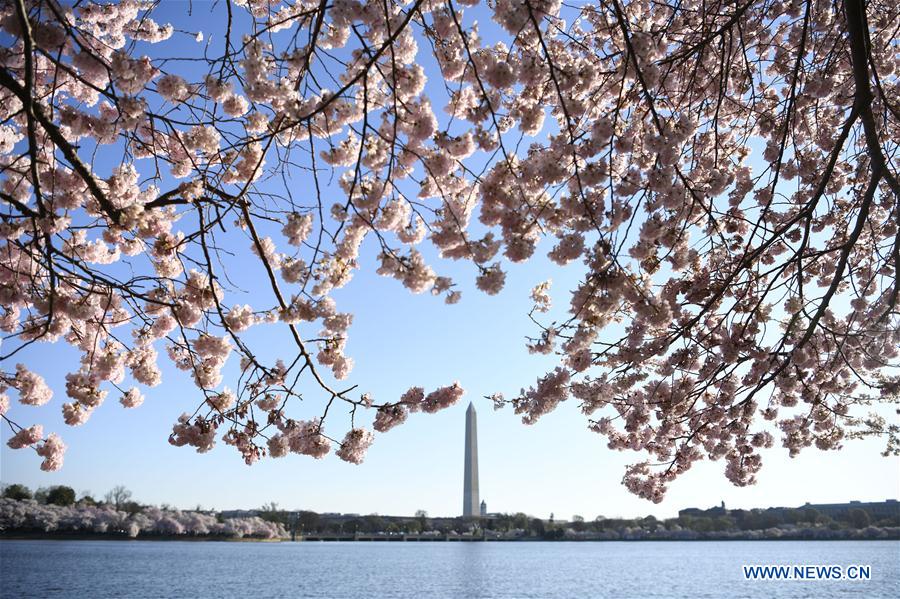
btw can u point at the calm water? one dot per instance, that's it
(99, 569)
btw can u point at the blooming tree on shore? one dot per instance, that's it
(30, 516)
(725, 171)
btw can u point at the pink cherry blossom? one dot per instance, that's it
(354, 446)
(132, 398)
(32, 388)
(388, 417)
(26, 437)
(52, 450)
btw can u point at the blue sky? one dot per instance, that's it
(399, 340)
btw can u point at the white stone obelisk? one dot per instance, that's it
(471, 502)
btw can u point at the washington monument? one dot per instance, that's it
(471, 505)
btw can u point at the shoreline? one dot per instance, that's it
(115, 537)
(459, 539)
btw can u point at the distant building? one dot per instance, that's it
(238, 513)
(712, 512)
(879, 509)
(483, 509)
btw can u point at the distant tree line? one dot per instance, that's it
(761, 519)
(520, 524)
(309, 522)
(119, 497)
(806, 522)
(734, 522)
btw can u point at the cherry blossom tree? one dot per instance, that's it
(30, 516)
(724, 170)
